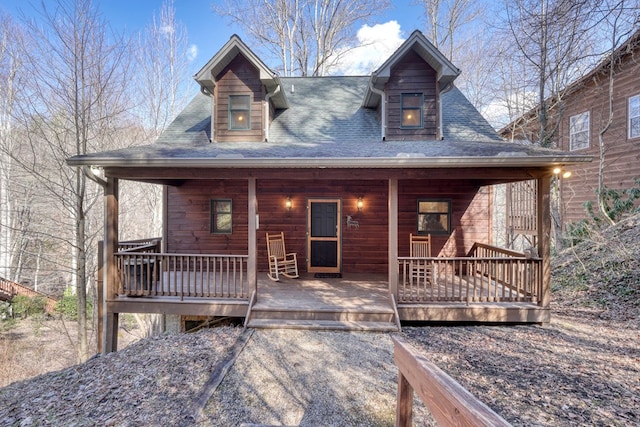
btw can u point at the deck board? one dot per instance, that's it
(356, 291)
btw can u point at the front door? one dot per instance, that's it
(324, 252)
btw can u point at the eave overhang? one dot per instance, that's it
(206, 77)
(330, 163)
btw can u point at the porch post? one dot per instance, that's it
(110, 333)
(544, 237)
(393, 237)
(100, 298)
(252, 262)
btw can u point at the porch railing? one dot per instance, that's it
(144, 271)
(487, 274)
(141, 245)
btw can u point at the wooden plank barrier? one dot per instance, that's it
(449, 402)
(9, 289)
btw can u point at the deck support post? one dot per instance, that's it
(252, 262)
(393, 237)
(544, 237)
(110, 321)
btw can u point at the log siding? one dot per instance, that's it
(240, 77)
(412, 75)
(363, 249)
(622, 155)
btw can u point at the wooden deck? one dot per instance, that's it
(355, 299)
(353, 302)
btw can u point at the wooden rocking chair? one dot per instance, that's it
(420, 247)
(280, 262)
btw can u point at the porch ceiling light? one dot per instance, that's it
(360, 203)
(288, 203)
(559, 171)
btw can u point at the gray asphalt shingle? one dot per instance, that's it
(325, 120)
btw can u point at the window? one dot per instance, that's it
(239, 112)
(221, 215)
(579, 131)
(411, 106)
(634, 117)
(434, 216)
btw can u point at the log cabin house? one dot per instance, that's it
(348, 168)
(579, 114)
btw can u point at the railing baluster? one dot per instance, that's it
(487, 275)
(229, 271)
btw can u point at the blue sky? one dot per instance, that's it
(206, 30)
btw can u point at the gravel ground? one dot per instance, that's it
(574, 372)
(570, 373)
(306, 378)
(150, 383)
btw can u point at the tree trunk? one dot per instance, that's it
(81, 273)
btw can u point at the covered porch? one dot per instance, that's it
(466, 283)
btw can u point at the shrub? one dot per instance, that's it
(67, 306)
(25, 306)
(617, 205)
(5, 310)
(579, 231)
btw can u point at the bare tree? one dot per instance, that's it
(161, 87)
(551, 38)
(72, 108)
(308, 37)
(10, 63)
(162, 70)
(446, 20)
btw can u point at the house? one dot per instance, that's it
(348, 168)
(580, 114)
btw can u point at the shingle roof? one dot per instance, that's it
(325, 109)
(329, 109)
(327, 125)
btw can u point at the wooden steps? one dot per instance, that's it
(352, 303)
(323, 325)
(379, 319)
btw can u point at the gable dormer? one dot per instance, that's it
(406, 90)
(244, 94)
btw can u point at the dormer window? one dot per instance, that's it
(412, 110)
(239, 112)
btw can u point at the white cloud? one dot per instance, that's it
(375, 45)
(192, 52)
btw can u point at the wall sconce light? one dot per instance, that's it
(288, 203)
(360, 203)
(559, 171)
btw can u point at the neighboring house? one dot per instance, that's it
(581, 113)
(348, 168)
